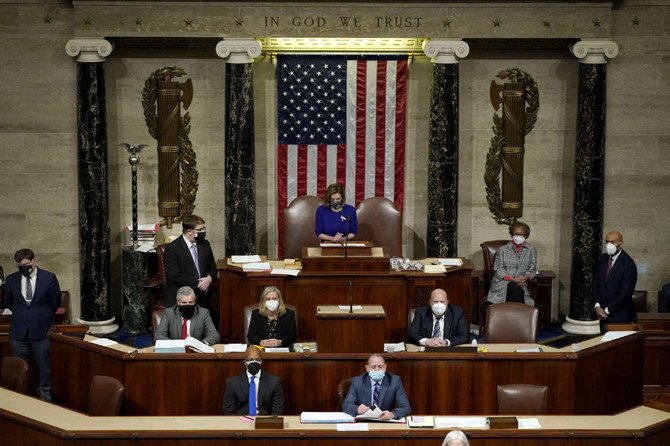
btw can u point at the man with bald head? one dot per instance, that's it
(616, 276)
(440, 324)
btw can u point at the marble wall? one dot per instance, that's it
(38, 194)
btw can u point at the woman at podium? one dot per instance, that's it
(272, 324)
(335, 220)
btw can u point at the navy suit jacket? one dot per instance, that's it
(180, 270)
(270, 400)
(392, 395)
(455, 326)
(615, 291)
(31, 322)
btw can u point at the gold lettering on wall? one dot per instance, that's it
(342, 22)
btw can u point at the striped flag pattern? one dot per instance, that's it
(340, 120)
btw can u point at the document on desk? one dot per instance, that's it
(170, 346)
(354, 307)
(451, 261)
(348, 427)
(612, 335)
(105, 342)
(276, 350)
(374, 413)
(245, 259)
(256, 267)
(461, 422)
(390, 347)
(285, 272)
(6, 312)
(326, 417)
(429, 269)
(235, 348)
(529, 423)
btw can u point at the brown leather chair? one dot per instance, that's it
(380, 222)
(343, 389)
(511, 323)
(63, 312)
(299, 223)
(156, 317)
(247, 318)
(410, 316)
(106, 396)
(522, 399)
(14, 374)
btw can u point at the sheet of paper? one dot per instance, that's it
(6, 312)
(197, 345)
(397, 347)
(276, 350)
(348, 427)
(529, 423)
(373, 412)
(245, 259)
(235, 348)
(451, 262)
(434, 269)
(461, 422)
(346, 307)
(145, 248)
(258, 266)
(612, 335)
(326, 417)
(285, 272)
(529, 350)
(144, 226)
(103, 341)
(169, 343)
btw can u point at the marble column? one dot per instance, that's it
(136, 299)
(442, 220)
(94, 253)
(240, 180)
(589, 181)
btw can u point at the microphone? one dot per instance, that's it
(351, 299)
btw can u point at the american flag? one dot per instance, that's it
(340, 120)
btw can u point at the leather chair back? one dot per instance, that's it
(106, 396)
(380, 222)
(343, 389)
(489, 250)
(156, 317)
(522, 399)
(410, 316)
(511, 323)
(247, 318)
(14, 374)
(299, 223)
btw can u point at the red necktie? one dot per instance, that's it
(184, 329)
(609, 266)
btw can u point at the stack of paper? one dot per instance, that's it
(179, 346)
(256, 267)
(326, 417)
(461, 422)
(245, 259)
(235, 348)
(451, 261)
(415, 421)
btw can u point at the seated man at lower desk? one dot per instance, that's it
(377, 388)
(440, 324)
(187, 319)
(253, 392)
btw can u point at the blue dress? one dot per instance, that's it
(330, 223)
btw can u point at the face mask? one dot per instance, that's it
(519, 239)
(376, 375)
(25, 270)
(200, 236)
(272, 305)
(438, 309)
(336, 204)
(186, 311)
(253, 367)
(611, 248)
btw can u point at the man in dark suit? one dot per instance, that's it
(187, 319)
(377, 388)
(253, 392)
(440, 324)
(33, 296)
(189, 261)
(616, 276)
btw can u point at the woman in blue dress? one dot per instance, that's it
(335, 220)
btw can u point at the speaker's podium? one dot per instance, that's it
(345, 329)
(350, 256)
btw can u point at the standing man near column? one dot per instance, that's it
(616, 276)
(189, 261)
(33, 296)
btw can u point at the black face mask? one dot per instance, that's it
(200, 236)
(254, 367)
(25, 270)
(186, 311)
(335, 204)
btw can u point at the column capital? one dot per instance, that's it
(594, 51)
(89, 49)
(445, 51)
(238, 50)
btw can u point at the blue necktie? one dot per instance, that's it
(436, 328)
(375, 395)
(252, 397)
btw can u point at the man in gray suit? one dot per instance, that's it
(187, 319)
(377, 388)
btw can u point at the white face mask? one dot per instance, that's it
(611, 248)
(519, 239)
(438, 309)
(272, 305)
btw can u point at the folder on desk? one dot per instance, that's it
(326, 417)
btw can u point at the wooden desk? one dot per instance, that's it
(397, 292)
(339, 331)
(451, 382)
(29, 421)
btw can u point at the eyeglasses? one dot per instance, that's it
(201, 230)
